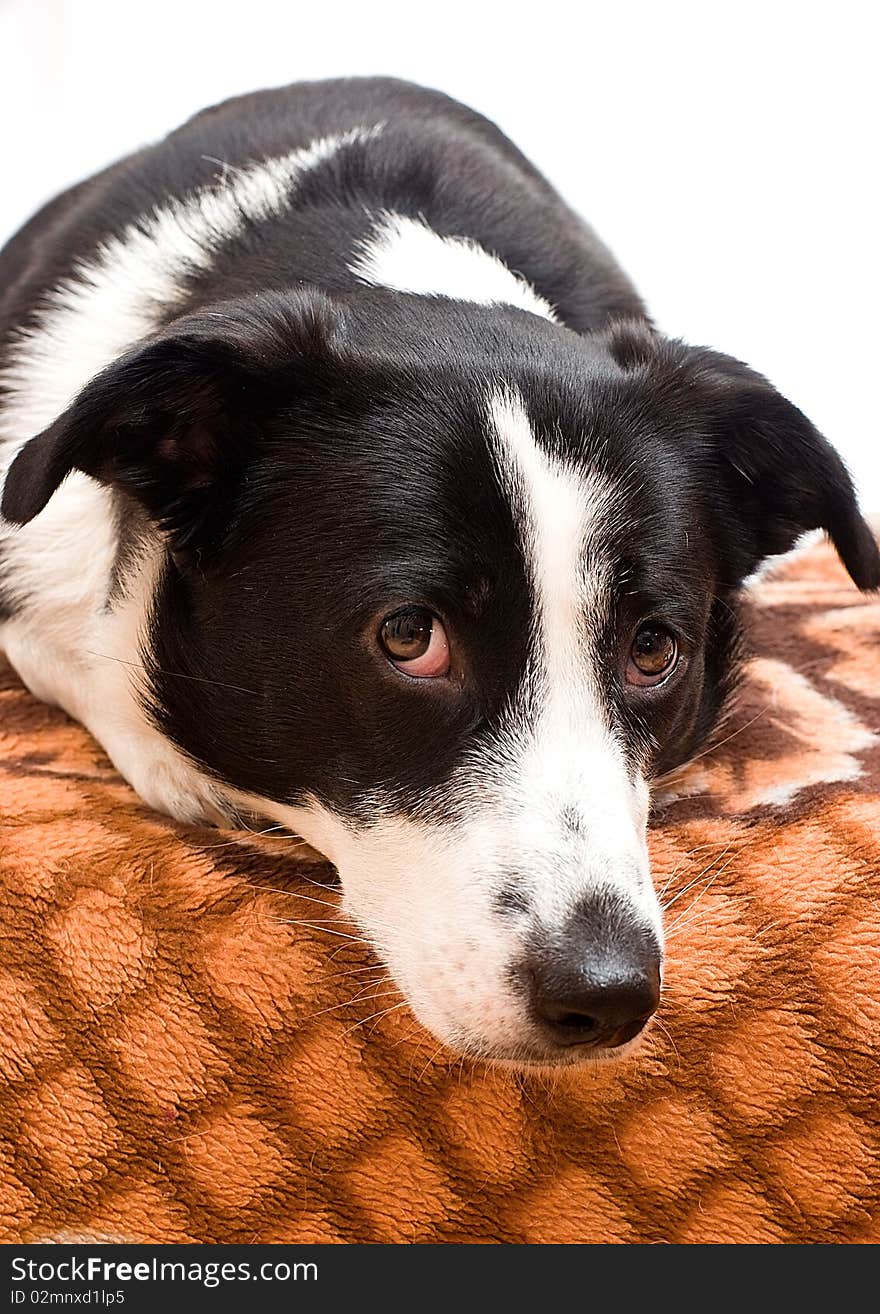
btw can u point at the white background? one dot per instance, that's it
(728, 153)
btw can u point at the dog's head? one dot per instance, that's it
(445, 588)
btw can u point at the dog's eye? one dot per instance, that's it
(415, 641)
(653, 655)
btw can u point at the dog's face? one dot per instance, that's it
(445, 594)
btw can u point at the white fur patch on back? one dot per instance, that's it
(116, 297)
(407, 255)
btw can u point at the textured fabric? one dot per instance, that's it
(182, 1059)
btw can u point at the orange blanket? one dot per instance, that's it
(192, 1049)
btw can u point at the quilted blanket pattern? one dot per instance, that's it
(194, 1045)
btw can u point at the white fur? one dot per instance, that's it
(67, 647)
(407, 255)
(567, 756)
(426, 893)
(72, 652)
(116, 297)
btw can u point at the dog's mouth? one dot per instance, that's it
(526, 1046)
(535, 1061)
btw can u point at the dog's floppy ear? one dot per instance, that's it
(174, 417)
(769, 474)
(781, 476)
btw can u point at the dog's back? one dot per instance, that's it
(283, 186)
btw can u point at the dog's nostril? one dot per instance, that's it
(582, 1020)
(585, 1029)
(568, 1019)
(582, 1028)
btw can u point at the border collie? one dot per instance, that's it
(347, 484)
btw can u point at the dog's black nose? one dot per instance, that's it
(598, 982)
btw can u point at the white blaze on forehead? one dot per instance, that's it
(561, 512)
(407, 255)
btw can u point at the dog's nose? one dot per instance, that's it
(604, 1009)
(598, 983)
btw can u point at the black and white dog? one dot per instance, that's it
(348, 485)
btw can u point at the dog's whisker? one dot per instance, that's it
(285, 837)
(704, 874)
(375, 1016)
(713, 748)
(324, 930)
(338, 950)
(430, 1061)
(256, 834)
(314, 922)
(319, 885)
(350, 971)
(658, 1021)
(363, 989)
(771, 926)
(175, 675)
(679, 921)
(682, 866)
(349, 1003)
(695, 880)
(297, 894)
(712, 878)
(211, 848)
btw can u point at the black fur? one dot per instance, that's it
(319, 454)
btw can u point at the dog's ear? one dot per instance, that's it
(769, 474)
(781, 476)
(175, 417)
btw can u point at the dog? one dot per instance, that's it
(348, 485)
